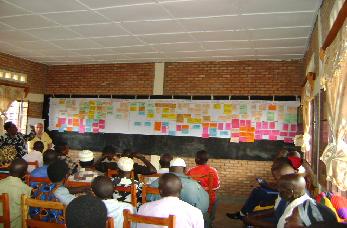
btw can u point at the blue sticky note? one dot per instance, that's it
(213, 132)
(173, 133)
(89, 122)
(165, 124)
(185, 131)
(142, 113)
(196, 127)
(76, 129)
(148, 124)
(226, 133)
(61, 129)
(89, 129)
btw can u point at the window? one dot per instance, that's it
(18, 114)
(13, 76)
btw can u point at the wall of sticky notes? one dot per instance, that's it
(239, 121)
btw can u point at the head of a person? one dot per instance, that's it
(39, 128)
(38, 146)
(49, 157)
(109, 151)
(103, 187)
(86, 158)
(127, 153)
(281, 153)
(57, 171)
(177, 165)
(294, 153)
(311, 214)
(62, 148)
(18, 168)
(86, 211)
(125, 164)
(165, 160)
(291, 186)
(10, 128)
(201, 157)
(281, 166)
(170, 185)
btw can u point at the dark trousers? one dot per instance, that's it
(259, 196)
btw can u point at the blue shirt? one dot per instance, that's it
(40, 172)
(191, 193)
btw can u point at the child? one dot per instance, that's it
(35, 155)
(103, 188)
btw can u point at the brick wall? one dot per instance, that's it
(101, 79)
(234, 78)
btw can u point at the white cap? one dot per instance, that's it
(125, 164)
(178, 162)
(85, 155)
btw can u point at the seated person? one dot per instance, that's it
(49, 157)
(164, 163)
(266, 193)
(86, 172)
(34, 155)
(124, 179)
(57, 172)
(147, 169)
(311, 213)
(14, 187)
(103, 189)
(62, 150)
(191, 192)
(202, 168)
(107, 160)
(87, 212)
(170, 187)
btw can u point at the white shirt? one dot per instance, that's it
(289, 209)
(33, 156)
(115, 210)
(187, 216)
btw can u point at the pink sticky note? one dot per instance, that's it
(178, 127)
(248, 123)
(81, 122)
(82, 129)
(102, 122)
(258, 125)
(243, 123)
(205, 136)
(266, 132)
(283, 133)
(95, 130)
(163, 129)
(272, 125)
(227, 126)
(288, 140)
(95, 125)
(292, 134)
(235, 135)
(235, 123)
(293, 127)
(220, 126)
(258, 132)
(205, 130)
(243, 139)
(69, 122)
(61, 121)
(265, 125)
(275, 132)
(272, 137)
(285, 127)
(258, 137)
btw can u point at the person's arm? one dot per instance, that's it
(150, 169)
(49, 141)
(257, 219)
(31, 135)
(216, 181)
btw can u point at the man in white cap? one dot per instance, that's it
(86, 173)
(192, 192)
(126, 166)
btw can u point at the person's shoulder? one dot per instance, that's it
(189, 207)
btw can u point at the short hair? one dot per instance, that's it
(165, 160)
(202, 156)
(169, 185)
(103, 187)
(8, 125)
(57, 171)
(60, 147)
(18, 167)
(86, 211)
(294, 153)
(49, 156)
(38, 146)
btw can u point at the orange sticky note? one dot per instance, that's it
(214, 125)
(157, 126)
(272, 107)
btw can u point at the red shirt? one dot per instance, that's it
(201, 170)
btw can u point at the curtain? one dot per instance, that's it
(307, 97)
(334, 81)
(8, 94)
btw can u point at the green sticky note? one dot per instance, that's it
(270, 116)
(243, 109)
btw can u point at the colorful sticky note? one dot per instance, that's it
(150, 115)
(148, 124)
(69, 122)
(248, 123)
(275, 132)
(292, 134)
(258, 137)
(293, 127)
(285, 127)
(173, 133)
(288, 140)
(157, 126)
(220, 126)
(82, 129)
(272, 125)
(137, 124)
(95, 130)
(205, 130)
(265, 125)
(227, 126)
(205, 136)
(235, 135)
(243, 109)
(164, 129)
(196, 127)
(224, 133)
(272, 107)
(178, 127)
(258, 125)
(272, 137)
(235, 139)
(235, 123)
(213, 125)
(213, 132)
(283, 133)
(228, 109)
(270, 116)
(217, 106)
(242, 123)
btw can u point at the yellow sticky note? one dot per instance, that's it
(172, 116)
(133, 109)
(217, 106)
(150, 115)
(166, 110)
(228, 108)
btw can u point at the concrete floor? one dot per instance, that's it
(228, 204)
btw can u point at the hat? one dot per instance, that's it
(85, 155)
(178, 162)
(125, 164)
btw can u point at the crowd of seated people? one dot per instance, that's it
(189, 195)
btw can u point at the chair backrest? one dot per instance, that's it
(5, 218)
(142, 178)
(132, 190)
(112, 173)
(77, 184)
(29, 179)
(27, 222)
(210, 186)
(3, 175)
(148, 190)
(129, 218)
(110, 222)
(34, 163)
